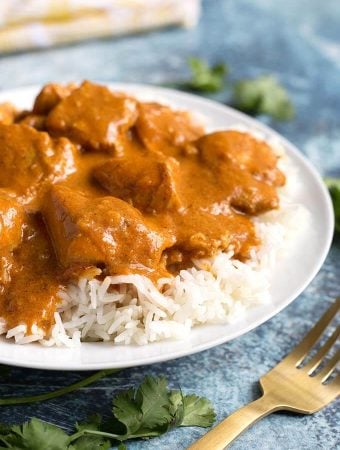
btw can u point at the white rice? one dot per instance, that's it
(130, 309)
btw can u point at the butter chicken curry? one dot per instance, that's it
(96, 183)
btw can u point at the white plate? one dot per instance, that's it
(289, 278)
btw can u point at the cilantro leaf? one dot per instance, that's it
(153, 397)
(5, 431)
(153, 409)
(263, 95)
(38, 435)
(176, 407)
(198, 411)
(333, 185)
(145, 409)
(205, 78)
(127, 411)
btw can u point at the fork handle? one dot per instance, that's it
(226, 431)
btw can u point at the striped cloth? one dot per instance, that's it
(27, 24)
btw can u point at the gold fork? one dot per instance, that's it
(289, 386)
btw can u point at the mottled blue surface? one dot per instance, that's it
(300, 42)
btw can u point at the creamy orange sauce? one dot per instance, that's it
(96, 183)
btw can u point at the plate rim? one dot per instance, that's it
(168, 356)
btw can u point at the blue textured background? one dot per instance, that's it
(299, 41)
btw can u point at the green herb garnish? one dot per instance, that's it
(145, 412)
(58, 392)
(263, 95)
(34, 435)
(205, 78)
(333, 185)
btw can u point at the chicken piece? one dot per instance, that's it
(12, 219)
(147, 182)
(162, 129)
(251, 196)
(30, 160)
(8, 113)
(244, 151)
(50, 96)
(94, 117)
(202, 234)
(36, 121)
(105, 232)
(245, 167)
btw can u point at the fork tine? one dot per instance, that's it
(329, 367)
(314, 334)
(316, 360)
(336, 382)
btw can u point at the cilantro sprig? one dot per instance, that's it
(205, 78)
(261, 95)
(333, 185)
(147, 411)
(56, 393)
